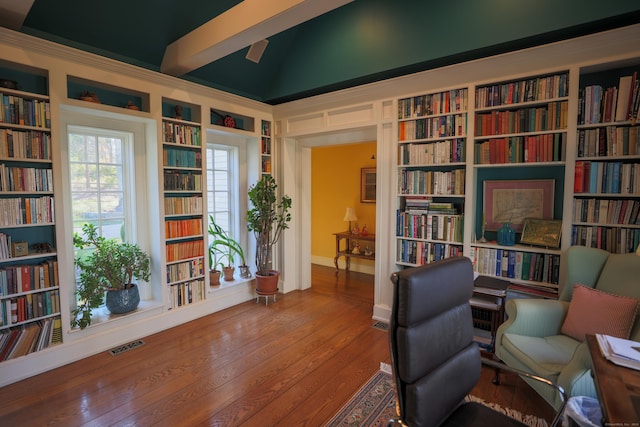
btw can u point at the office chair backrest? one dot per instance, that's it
(434, 359)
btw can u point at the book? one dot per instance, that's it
(490, 286)
(620, 351)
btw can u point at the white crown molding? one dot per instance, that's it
(77, 56)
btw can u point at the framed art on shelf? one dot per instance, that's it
(368, 185)
(512, 201)
(542, 232)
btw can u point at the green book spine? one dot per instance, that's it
(526, 264)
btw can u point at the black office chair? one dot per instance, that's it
(434, 359)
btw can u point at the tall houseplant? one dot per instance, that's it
(109, 266)
(267, 218)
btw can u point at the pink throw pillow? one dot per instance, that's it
(595, 312)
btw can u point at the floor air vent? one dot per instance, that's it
(381, 325)
(126, 347)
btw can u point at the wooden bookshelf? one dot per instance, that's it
(29, 286)
(606, 192)
(184, 221)
(432, 133)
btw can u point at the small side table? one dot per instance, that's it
(487, 307)
(347, 252)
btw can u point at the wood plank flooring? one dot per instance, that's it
(294, 362)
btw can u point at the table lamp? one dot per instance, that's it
(350, 215)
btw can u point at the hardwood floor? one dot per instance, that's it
(294, 362)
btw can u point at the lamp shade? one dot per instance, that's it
(350, 215)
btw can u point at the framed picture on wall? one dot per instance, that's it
(368, 185)
(514, 200)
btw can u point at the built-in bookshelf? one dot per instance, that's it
(520, 136)
(29, 286)
(606, 204)
(265, 148)
(184, 222)
(432, 132)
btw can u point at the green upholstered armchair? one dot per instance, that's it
(530, 339)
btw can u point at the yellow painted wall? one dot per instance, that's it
(335, 185)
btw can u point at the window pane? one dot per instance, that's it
(111, 178)
(84, 177)
(85, 206)
(110, 150)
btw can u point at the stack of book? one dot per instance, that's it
(620, 351)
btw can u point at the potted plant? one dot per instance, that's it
(223, 250)
(108, 267)
(267, 218)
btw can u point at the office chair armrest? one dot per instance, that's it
(557, 420)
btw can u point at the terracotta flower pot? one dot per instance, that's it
(267, 285)
(228, 273)
(214, 277)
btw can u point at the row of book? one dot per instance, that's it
(617, 103)
(185, 250)
(178, 133)
(615, 240)
(25, 112)
(182, 181)
(606, 177)
(434, 127)
(435, 153)
(431, 182)
(28, 307)
(183, 228)
(6, 251)
(417, 252)
(183, 205)
(266, 128)
(605, 211)
(429, 226)
(25, 179)
(609, 141)
(29, 144)
(181, 158)
(438, 103)
(185, 270)
(28, 210)
(266, 164)
(549, 147)
(535, 89)
(552, 116)
(26, 339)
(186, 293)
(518, 265)
(265, 145)
(15, 279)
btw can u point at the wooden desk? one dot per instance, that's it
(618, 388)
(347, 252)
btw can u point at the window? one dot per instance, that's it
(221, 180)
(105, 175)
(99, 174)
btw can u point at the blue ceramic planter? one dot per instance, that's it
(123, 301)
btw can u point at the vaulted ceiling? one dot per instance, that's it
(314, 46)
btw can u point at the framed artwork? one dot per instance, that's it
(367, 185)
(542, 232)
(514, 201)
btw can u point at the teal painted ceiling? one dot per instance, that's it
(362, 42)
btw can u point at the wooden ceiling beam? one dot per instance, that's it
(13, 13)
(242, 25)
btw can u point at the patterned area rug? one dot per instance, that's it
(374, 405)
